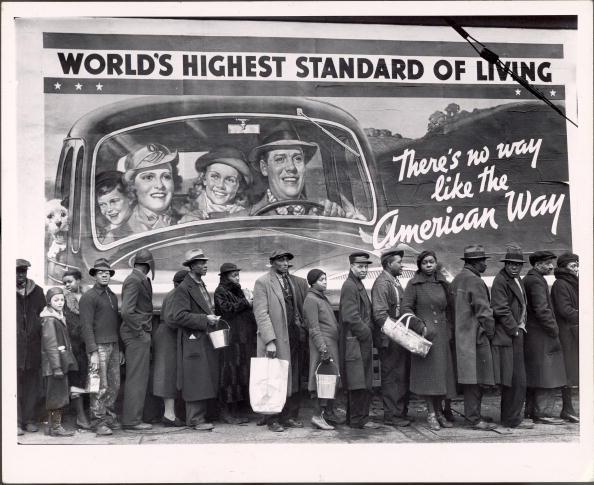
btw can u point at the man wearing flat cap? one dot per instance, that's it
(30, 301)
(386, 296)
(508, 301)
(137, 316)
(356, 342)
(545, 369)
(278, 308)
(474, 329)
(282, 157)
(100, 320)
(191, 311)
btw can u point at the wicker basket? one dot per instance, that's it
(403, 336)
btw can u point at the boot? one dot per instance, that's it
(447, 410)
(56, 428)
(568, 412)
(81, 417)
(432, 422)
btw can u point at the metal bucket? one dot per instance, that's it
(220, 337)
(326, 383)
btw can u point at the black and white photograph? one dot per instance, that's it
(340, 236)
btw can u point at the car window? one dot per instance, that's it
(158, 176)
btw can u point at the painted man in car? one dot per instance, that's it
(282, 157)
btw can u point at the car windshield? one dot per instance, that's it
(192, 171)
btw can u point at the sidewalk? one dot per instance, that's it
(417, 432)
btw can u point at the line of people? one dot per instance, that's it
(519, 336)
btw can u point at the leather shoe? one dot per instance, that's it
(547, 420)
(113, 424)
(204, 427)
(449, 415)
(433, 422)
(320, 423)
(293, 423)
(103, 430)
(525, 424)
(276, 427)
(484, 426)
(139, 427)
(332, 418)
(571, 417)
(31, 428)
(443, 422)
(169, 423)
(261, 421)
(371, 425)
(398, 422)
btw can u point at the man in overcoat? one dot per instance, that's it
(545, 369)
(386, 296)
(356, 342)
(508, 301)
(191, 310)
(30, 301)
(278, 308)
(137, 317)
(474, 328)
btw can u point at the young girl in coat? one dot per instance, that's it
(57, 359)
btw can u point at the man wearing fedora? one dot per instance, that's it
(474, 329)
(282, 157)
(278, 308)
(508, 301)
(191, 311)
(386, 296)
(356, 342)
(30, 302)
(100, 320)
(137, 320)
(545, 368)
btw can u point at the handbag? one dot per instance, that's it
(268, 384)
(398, 331)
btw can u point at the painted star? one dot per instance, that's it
(553, 92)
(518, 92)
(57, 86)
(99, 87)
(78, 86)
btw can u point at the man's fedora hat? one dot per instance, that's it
(194, 255)
(229, 156)
(101, 264)
(359, 257)
(281, 137)
(391, 252)
(474, 251)
(279, 253)
(144, 256)
(538, 256)
(146, 157)
(227, 268)
(22, 263)
(513, 255)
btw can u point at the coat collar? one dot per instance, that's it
(512, 284)
(472, 270)
(195, 293)
(420, 278)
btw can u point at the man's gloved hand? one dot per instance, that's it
(325, 356)
(94, 361)
(212, 320)
(271, 350)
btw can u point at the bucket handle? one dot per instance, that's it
(408, 316)
(209, 329)
(333, 363)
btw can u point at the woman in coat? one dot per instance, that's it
(232, 306)
(73, 292)
(566, 304)
(431, 377)
(323, 344)
(165, 357)
(57, 360)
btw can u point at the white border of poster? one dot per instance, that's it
(266, 462)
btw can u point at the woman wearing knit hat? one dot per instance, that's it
(323, 344)
(57, 359)
(565, 294)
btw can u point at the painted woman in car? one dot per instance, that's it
(220, 188)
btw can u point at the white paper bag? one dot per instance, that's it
(268, 384)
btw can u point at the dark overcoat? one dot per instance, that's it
(566, 303)
(165, 353)
(271, 319)
(474, 327)
(323, 331)
(507, 301)
(542, 349)
(356, 342)
(197, 359)
(428, 298)
(386, 302)
(137, 304)
(29, 307)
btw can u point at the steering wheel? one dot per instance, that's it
(282, 203)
